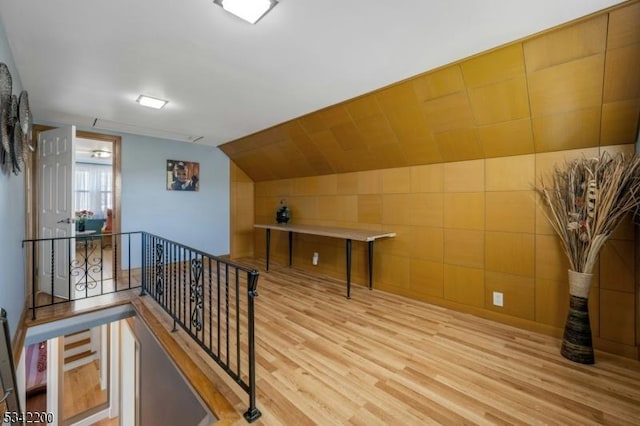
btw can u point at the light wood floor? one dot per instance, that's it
(81, 390)
(385, 359)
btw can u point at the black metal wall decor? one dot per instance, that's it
(196, 293)
(159, 269)
(16, 123)
(86, 267)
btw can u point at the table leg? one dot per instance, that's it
(290, 248)
(348, 269)
(370, 265)
(268, 244)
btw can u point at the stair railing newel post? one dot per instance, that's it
(144, 263)
(585, 200)
(252, 413)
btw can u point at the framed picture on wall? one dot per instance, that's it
(183, 175)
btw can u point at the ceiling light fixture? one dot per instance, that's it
(150, 102)
(249, 10)
(100, 153)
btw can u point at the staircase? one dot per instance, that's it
(78, 349)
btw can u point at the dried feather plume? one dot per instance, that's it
(587, 199)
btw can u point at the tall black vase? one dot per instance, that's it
(577, 343)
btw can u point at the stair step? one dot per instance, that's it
(85, 354)
(70, 338)
(77, 332)
(68, 346)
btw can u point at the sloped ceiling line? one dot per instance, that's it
(545, 93)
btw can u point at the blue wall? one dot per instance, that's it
(197, 219)
(12, 207)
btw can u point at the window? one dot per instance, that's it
(93, 188)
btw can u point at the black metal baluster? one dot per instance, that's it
(226, 294)
(53, 273)
(159, 283)
(115, 272)
(218, 304)
(86, 268)
(183, 285)
(166, 296)
(210, 308)
(252, 283)
(114, 249)
(238, 321)
(156, 271)
(196, 281)
(144, 263)
(174, 285)
(33, 279)
(149, 249)
(70, 265)
(190, 292)
(102, 269)
(165, 271)
(151, 267)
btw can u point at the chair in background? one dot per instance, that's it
(107, 229)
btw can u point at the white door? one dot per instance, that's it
(56, 175)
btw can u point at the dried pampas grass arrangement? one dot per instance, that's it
(587, 199)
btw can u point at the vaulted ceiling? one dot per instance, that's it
(85, 62)
(575, 86)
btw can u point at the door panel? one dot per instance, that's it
(56, 163)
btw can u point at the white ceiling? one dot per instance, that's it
(85, 147)
(224, 78)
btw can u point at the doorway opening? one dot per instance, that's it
(101, 199)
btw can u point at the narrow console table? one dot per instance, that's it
(347, 234)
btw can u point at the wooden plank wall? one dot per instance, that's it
(449, 161)
(242, 213)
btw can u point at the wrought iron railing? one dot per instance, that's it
(66, 269)
(8, 384)
(210, 297)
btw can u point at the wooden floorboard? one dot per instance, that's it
(384, 359)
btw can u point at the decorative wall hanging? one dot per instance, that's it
(16, 124)
(183, 176)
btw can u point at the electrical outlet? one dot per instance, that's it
(498, 298)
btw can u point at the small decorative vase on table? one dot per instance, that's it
(577, 344)
(283, 214)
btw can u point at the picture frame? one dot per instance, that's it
(183, 175)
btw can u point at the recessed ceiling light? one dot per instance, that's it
(249, 10)
(150, 102)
